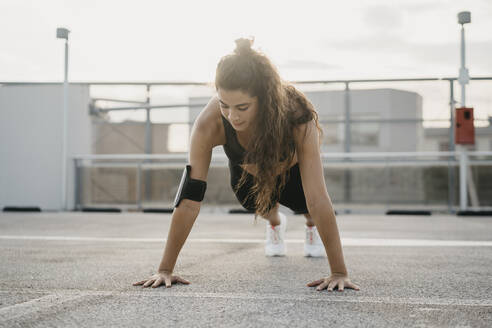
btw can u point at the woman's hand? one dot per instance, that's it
(332, 281)
(161, 277)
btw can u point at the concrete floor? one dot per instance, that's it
(76, 269)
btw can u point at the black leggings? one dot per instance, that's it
(292, 195)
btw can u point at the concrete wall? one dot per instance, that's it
(31, 143)
(128, 138)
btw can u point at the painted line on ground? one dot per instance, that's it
(345, 241)
(37, 304)
(68, 295)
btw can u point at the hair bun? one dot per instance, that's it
(243, 45)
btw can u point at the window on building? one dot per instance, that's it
(331, 135)
(365, 132)
(443, 145)
(332, 130)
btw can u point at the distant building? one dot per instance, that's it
(400, 112)
(128, 137)
(437, 139)
(383, 120)
(31, 130)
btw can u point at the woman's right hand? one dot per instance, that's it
(161, 277)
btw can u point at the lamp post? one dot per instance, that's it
(464, 17)
(62, 33)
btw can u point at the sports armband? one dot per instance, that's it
(190, 188)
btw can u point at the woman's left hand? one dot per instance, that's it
(333, 281)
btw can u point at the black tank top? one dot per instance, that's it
(233, 149)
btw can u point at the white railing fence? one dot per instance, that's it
(366, 178)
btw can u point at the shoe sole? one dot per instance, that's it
(274, 255)
(308, 253)
(314, 255)
(276, 252)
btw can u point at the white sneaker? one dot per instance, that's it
(275, 237)
(313, 246)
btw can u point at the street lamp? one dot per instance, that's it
(464, 17)
(464, 128)
(62, 33)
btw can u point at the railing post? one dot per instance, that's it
(451, 170)
(139, 191)
(347, 143)
(463, 178)
(77, 181)
(148, 146)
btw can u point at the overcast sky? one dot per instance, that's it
(117, 40)
(183, 40)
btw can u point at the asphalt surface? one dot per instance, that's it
(73, 269)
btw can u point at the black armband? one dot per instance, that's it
(190, 188)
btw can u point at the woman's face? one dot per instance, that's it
(239, 108)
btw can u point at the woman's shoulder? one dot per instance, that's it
(209, 122)
(300, 109)
(301, 113)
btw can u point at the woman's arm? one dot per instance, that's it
(319, 204)
(201, 144)
(182, 221)
(203, 139)
(324, 218)
(317, 198)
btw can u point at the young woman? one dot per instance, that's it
(271, 135)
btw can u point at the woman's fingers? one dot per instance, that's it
(332, 282)
(157, 282)
(352, 285)
(181, 280)
(164, 279)
(322, 286)
(167, 280)
(148, 283)
(332, 285)
(315, 283)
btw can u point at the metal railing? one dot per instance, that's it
(145, 105)
(347, 102)
(462, 160)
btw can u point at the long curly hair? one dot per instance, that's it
(280, 108)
